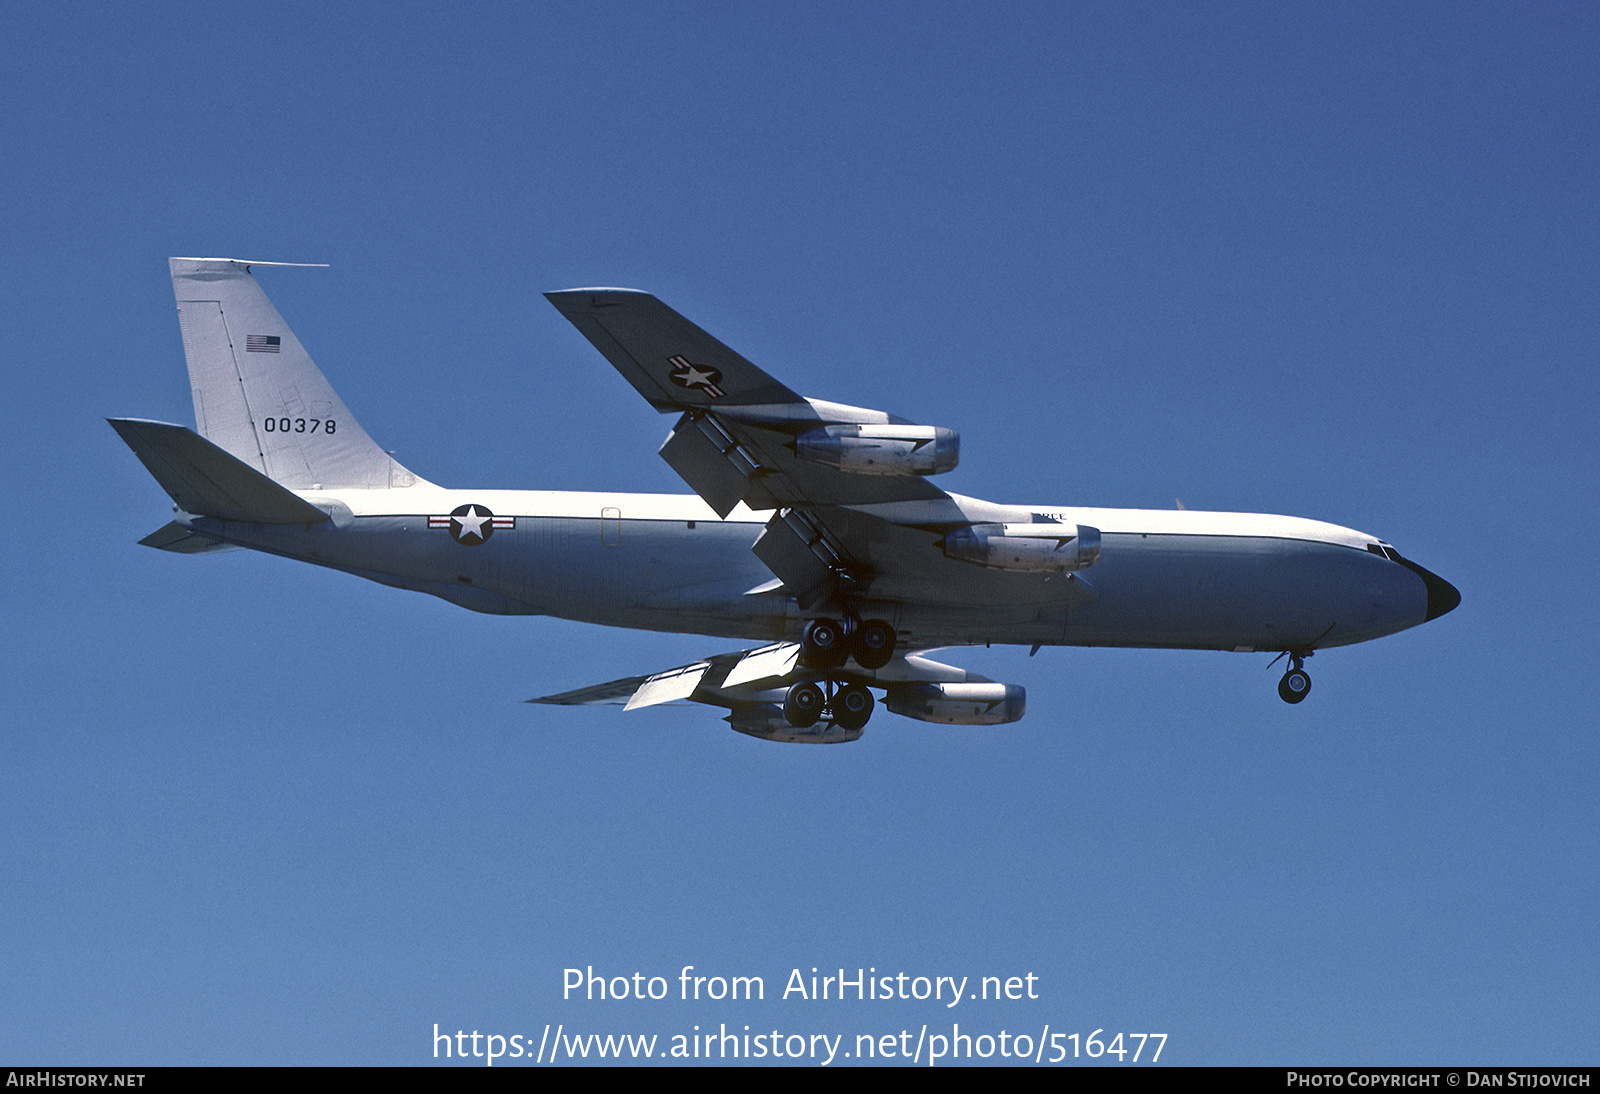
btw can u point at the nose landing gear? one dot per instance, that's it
(1296, 683)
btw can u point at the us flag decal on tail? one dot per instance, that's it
(262, 343)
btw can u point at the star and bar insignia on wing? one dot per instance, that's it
(696, 377)
(471, 525)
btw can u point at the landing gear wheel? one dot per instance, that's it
(852, 706)
(874, 644)
(803, 705)
(1294, 686)
(822, 644)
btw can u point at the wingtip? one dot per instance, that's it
(567, 300)
(248, 262)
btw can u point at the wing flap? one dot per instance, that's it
(715, 466)
(767, 663)
(665, 687)
(792, 548)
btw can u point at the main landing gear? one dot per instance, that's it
(846, 705)
(1296, 683)
(826, 644)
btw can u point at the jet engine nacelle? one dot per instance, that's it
(766, 720)
(1048, 547)
(959, 704)
(882, 449)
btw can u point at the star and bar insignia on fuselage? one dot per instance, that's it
(471, 525)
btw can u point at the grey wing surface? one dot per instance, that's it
(673, 363)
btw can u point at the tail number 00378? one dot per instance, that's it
(300, 425)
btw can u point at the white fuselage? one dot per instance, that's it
(1165, 578)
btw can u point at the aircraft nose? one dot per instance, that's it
(1442, 596)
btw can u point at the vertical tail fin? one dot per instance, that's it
(257, 393)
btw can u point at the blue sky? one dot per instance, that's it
(1336, 261)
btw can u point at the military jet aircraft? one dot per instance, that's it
(814, 531)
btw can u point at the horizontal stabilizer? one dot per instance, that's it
(207, 481)
(175, 537)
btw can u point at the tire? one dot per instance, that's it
(803, 705)
(822, 644)
(1294, 686)
(874, 644)
(852, 706)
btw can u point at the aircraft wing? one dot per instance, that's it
(724, 680)
(736, 439)
(613, 693)
(841, 528)
(673, 363)
(745, 677)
